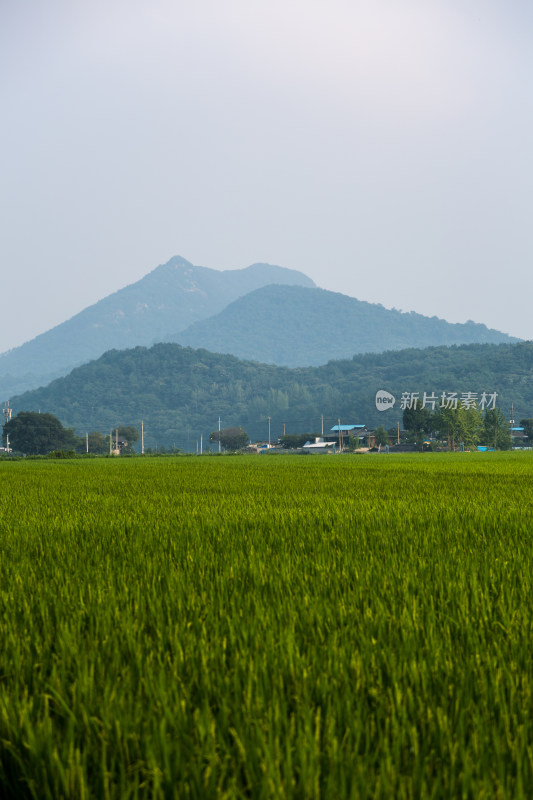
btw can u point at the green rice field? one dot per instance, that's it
(267, 627)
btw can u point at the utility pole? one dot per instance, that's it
(116, 442)
(86, 442)
(142, 437)
(7, 414)
(269, 431)
(322, 417)
(340, 437)
(219, 434)
(110, 442)
(201, 444)
(398, 433)
(283, 430)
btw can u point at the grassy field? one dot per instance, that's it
(267, 627)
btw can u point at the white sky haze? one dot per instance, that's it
(383, 148)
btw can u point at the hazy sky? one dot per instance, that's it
(383, 147)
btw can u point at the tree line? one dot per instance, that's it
(39, 434)
(32, 433)
(468, 426)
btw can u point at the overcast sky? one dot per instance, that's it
(383, 147)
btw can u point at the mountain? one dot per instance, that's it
(180, 393)
(168, 299)
(296, 326)
(263, 312)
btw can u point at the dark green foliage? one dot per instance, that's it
(354, 442)
(527, 424)
(293, 441)
(128, 432)
(381, 437)
(417, 421)
(34, 434)
(98, 443)
(459, 425)
(130, 435)
(496, 429)
(233, 438)
(180, 393)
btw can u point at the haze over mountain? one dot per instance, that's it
(166, 300)
(263, 312)
(180, 393)
(296, 326)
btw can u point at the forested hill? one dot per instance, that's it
(165, 301)
(296, 326)
(180, 393)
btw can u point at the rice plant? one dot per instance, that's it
(298, 627)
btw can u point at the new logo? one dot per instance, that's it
(384, 400)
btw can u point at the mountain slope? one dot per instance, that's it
(180, 393)
(298, 326)
(168, 299)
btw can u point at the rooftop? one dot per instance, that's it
(347, 427)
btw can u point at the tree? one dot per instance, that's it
(460, 425)
(470, 426)
(293, 441)
(230, 438)
(35, 434)
(381, 437)
(123, 438)
(447, 425)
(417, 421)
(98, 443)
(496, 429)
(129, 434)
(527, 425)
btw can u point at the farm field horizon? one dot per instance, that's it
(266, 626)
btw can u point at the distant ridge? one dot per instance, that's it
(166, 300)
(296, 326)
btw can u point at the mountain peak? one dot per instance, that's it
(165, 301)
(174, 263)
